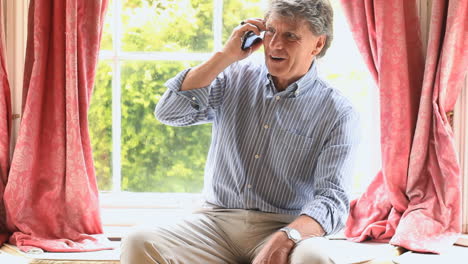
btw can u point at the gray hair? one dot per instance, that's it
(317, 13)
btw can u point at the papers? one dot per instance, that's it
(347, 252)
(454, 255)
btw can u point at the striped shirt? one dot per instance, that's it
(287, 152)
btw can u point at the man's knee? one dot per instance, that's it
(141, 247)
(138, 240)
(311, 251)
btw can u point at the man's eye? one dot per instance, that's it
(291, 36)
(270, 31)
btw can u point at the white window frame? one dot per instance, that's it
(460, 124)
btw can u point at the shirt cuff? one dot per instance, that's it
(197, 97)
(324, 215)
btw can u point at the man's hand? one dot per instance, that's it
(232, 48)
(276, 250)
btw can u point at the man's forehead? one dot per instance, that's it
(284, 21)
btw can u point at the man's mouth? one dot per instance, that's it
(277, 58)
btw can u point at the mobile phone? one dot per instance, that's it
(249, 39)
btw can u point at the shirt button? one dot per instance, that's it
(249, 186)
(257, 156)
(194, 98)
(277, 98)
(266, 126)
(296, 92)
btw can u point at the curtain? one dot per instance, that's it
(5, 127)
(51, 198)
(414, 201)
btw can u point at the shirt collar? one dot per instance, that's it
(300, 86)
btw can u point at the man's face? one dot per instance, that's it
(290, 47)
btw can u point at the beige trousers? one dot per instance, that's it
(216, 235)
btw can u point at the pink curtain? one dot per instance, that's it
(414, 202)
(5, 128)
(51, 198)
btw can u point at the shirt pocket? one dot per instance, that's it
(291, 140)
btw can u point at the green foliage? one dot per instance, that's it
(157, 157)
(235, 11)
(154, 157)
(106, 40)
(100, 125)
(167, 25)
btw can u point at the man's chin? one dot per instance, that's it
(275, 72)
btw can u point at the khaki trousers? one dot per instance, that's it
(216, 235)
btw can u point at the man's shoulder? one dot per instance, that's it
(333, 97)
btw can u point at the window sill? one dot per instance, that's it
(122, 211)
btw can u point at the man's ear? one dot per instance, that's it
(319, 44)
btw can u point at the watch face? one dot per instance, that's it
(295, 234)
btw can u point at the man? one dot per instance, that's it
(278, 169)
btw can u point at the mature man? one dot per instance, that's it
(278, 169)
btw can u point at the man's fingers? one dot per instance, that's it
(258, 22)
(242, 29)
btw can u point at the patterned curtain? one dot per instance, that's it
(51, 197)
(414, 202)
(5, 127)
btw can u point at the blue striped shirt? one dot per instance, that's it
(287, 152)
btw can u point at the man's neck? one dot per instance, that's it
(282, 84)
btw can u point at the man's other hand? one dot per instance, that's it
(276, 250)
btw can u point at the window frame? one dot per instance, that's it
(117, 55)
(15, 22)
(460, 125)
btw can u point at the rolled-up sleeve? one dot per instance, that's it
(329, 205)
(184, 108)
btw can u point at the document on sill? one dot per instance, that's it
(347, 252)
(452, 255)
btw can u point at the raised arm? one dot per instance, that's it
(194, 94)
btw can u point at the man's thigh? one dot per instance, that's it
(197, 239)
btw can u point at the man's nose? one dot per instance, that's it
(276, 42)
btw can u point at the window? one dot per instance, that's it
(146, 42)
(461, 139)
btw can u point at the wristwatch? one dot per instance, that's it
(292, 234)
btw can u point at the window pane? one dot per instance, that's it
(344, 68)
(157, 157)
(106, 41)
(168, 25)
(234, 11)
(100, 125)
